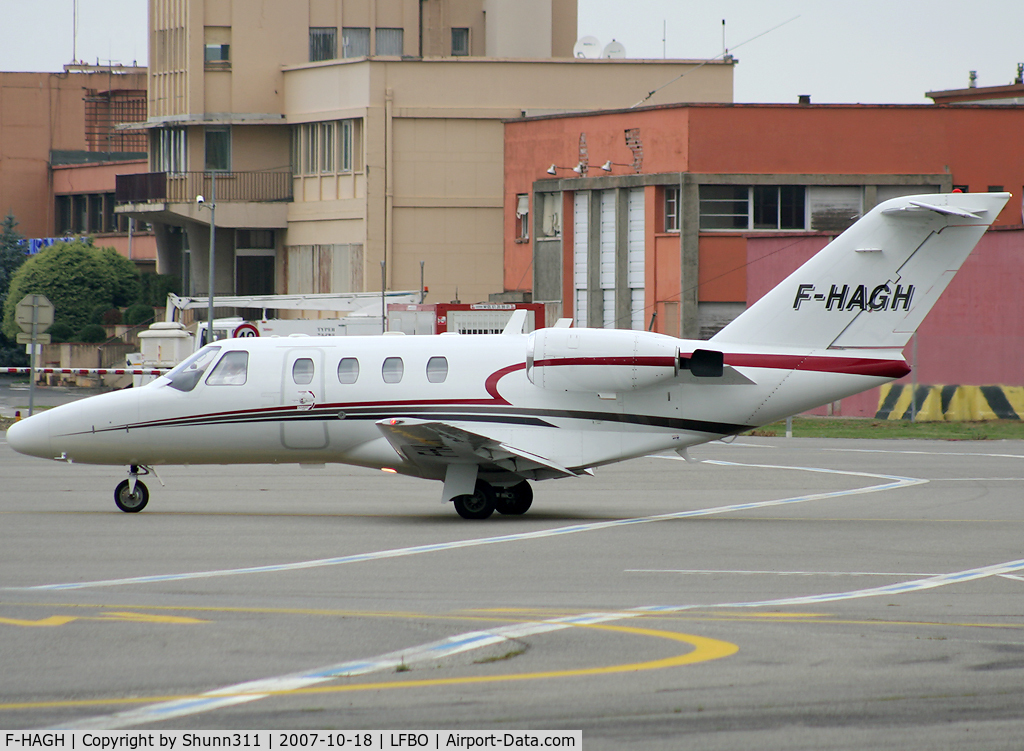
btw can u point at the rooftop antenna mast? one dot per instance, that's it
(652, 92)
(74, 31)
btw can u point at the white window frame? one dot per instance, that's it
(522, 217)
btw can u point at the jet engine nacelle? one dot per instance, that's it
(601, 360)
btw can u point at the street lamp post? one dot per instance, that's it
(212, 206)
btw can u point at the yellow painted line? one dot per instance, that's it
(458, 616)
(784, 615)
(53, 620)
(62, 620)
(825, 619)
(145, 618)
(704, 650)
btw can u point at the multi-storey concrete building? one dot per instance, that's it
(60, 148)
(344, 134)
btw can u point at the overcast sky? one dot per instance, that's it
(877, 51)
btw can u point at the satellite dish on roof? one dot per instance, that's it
(613, 51)
(587, 47)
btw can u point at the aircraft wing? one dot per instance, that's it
(428, 442)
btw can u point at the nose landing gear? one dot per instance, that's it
(132, 495)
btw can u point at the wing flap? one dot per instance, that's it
(441, 443)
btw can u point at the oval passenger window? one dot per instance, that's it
(393, 370)
(348, 370)
(437, 369)
(302, 371)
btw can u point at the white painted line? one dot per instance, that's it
(893, 482)
(917, 585)
(928, 453)
(766, 573)
(241, 693)
(977, 479)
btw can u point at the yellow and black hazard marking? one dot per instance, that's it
(951, 403)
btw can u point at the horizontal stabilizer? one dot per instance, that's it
(918, 206)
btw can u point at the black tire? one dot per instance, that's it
(480, 505)
(128, 502)
(514, 501)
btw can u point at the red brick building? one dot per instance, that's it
(675, 218)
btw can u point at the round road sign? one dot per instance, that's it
(247, 329)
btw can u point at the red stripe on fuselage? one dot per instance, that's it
(822, 364)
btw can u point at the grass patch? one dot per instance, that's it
(498, 658)
(865, 427)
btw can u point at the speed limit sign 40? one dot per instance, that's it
(246, 329)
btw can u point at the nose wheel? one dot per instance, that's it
(132, 495)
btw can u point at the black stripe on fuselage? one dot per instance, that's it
(502, 415)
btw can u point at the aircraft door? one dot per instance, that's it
(304, 426)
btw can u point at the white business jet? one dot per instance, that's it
(487, 414)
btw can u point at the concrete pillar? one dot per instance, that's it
(199, 244)
(689, 257)
(168, 249)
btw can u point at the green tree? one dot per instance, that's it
(12, 253)
(76, 277)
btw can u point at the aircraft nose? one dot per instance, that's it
(31, 436)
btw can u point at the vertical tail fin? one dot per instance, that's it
(873, 285)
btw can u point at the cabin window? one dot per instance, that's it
(437, 369)
(231, 370)
(302, 371)
(393, 370)
(187, 375)
(348, 370)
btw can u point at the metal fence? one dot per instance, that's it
(183, 187)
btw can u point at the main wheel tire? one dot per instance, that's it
(479, 505)
(131, 503)
(515, 500)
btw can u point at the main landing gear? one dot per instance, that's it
(132, 495)
(486, 499)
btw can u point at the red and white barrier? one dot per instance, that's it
(87, 371)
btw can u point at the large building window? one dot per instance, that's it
(323, 44)
(389, 42)
(460, 42)
(169, 150)
(741, 207)
(90, 214)
(325, 148)
(218, 149)
(217, 52)
(355, 42)
(778, 207)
